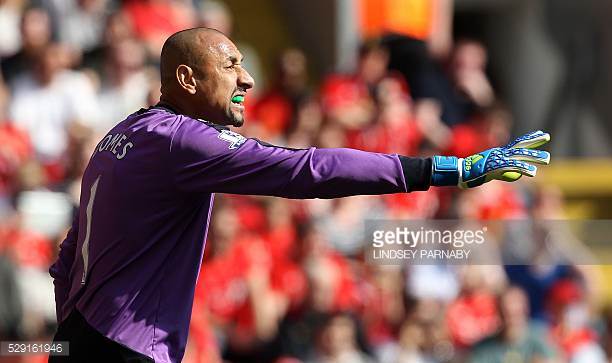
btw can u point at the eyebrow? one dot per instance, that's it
(234, 59)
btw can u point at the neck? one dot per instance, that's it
(184, 105)
(178, 106)
(514, 332)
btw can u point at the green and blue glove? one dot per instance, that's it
(507, 163)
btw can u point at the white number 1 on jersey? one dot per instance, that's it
(85, 248)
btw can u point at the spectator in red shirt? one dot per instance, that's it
(250, 282)
(348, 99)
(487, 128)
(384, 309)
(395, 129)
(473, 315)
(275, 112)
(571, 317)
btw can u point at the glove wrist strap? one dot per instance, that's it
(445, 171)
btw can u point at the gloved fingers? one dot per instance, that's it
(510, 176)
(509, 165)
(535, 156)
(530, 140)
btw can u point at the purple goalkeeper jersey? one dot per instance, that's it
(130, 262)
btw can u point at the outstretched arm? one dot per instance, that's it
(209, 159)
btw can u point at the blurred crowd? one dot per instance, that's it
(286, 281)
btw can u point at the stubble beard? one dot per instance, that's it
(237, 119)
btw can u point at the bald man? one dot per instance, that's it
(126, 272)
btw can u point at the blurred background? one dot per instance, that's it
(285, 280)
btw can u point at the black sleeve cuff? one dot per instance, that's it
(417, 172)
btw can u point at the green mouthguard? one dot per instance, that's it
(238, 99)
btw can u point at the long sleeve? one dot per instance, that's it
(60, 270)
(213, 159)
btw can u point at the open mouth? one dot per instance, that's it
(238, 100)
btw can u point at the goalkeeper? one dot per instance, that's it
(126, 272)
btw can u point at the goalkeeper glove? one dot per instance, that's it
(505, 163)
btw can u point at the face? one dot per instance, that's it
(36, 27)
(514, 306)
(222, 83)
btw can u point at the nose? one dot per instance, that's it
(245, 80)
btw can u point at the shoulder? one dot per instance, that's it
(193, 135)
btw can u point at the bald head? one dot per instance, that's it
(202, 76)
(189, 47)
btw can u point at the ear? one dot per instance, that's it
(184, 76)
